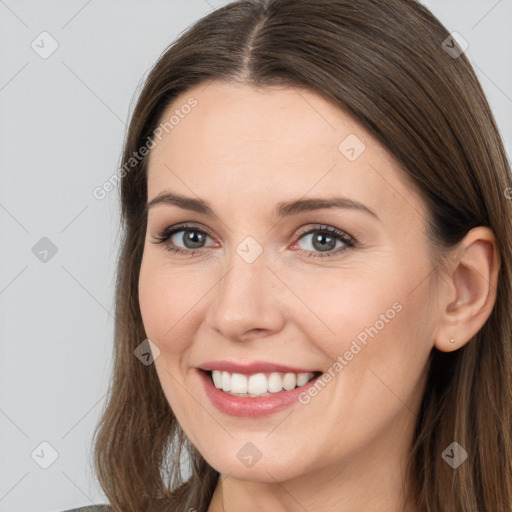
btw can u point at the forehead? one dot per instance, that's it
(238, 141)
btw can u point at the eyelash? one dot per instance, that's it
(164, 236)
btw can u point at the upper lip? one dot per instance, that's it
(251, 368)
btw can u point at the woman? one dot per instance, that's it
(314, 286)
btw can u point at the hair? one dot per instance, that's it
(382, 62)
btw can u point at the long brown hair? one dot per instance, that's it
(383, 62)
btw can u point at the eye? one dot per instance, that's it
(325, 239)
(322, 241)
(189, 235)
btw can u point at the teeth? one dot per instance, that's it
(258, 384)
(275, 382)
(238, 383)
(226, 381)
(289, 381)
(302, 378)
(217, 379)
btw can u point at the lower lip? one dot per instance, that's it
(251, 407)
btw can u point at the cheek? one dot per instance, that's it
(152, 299)
(385, 352)
(376, 358)
(377, 320)
(166, 300)
(341, 305)
(163, 301)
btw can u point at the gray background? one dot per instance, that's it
(63, 120)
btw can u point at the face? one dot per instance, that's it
(296, 276)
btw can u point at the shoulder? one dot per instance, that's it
(93, 508)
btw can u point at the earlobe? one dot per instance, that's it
(470, 293)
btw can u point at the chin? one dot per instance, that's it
(246, 462)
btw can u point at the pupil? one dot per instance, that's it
(324, 246)
(194, 237)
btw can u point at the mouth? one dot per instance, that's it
(258, 384)
(256, 394)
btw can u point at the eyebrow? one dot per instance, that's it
(283, 209)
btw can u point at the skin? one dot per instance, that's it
(244, 150)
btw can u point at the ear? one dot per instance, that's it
(470, 292)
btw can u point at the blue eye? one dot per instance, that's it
(325, 241)
(189, 235)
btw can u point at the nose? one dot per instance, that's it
(246, 304)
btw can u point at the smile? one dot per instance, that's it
(256, 389)
(258, 384)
